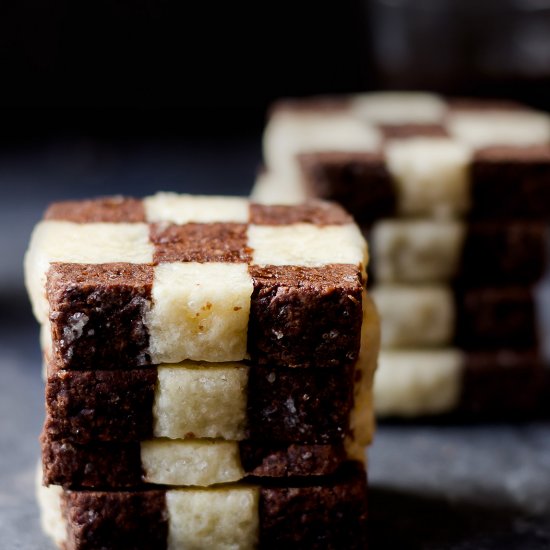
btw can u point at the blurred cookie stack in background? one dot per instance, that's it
(209, 366)
(454, 196)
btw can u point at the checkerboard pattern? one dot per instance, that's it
(197, 279)
(231, 516)
(196, 341)
(454, 196)
(410, 154)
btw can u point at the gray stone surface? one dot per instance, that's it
(461, 487)
(21, 415)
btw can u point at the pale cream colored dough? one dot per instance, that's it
(204, 400)
(51, 514)
(415, 316)
(485, 128)
(412, 383)
(399, 107)
(200, 311)
(220, 519)
(190, 462)
(182, 209)
(308, 245)
(431, 176)
(362, 422)
(416, 251)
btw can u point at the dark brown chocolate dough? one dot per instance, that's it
(321, 517)
(97, 315)
(294, 460)
(506, 383)
(200, 242)
(305, 317)
(108, 209)
(510, 253)
(490, 318)
(315, 212)
(117, 465)
(404, 131)
(301, 405)
(360, 182)
(495, 253)
(511, 182)
(116, 521)
(100, 405)
(94, 466)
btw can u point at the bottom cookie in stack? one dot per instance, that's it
(300, 514)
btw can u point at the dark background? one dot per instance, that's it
(123, 69)
(132, 69)
(111, 97)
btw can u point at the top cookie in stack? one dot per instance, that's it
(454, 196)
(197, 341)
(409, 154)
(180, 277)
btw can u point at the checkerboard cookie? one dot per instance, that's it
(481, 253)
(184, 462)
(488, 384)
(410, 154)
(198, 278)
(471, 318)
(331, 514)
(453, 195)
(224, 400)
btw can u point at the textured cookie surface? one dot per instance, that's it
(418, 382)
(324, 515)
(287, 298)
(189, 400)
(488, 384)
(177, 277)
(432, 157)
(415, 315)
(300, 131)
(472, 318)
(424, 251)
(190, 462)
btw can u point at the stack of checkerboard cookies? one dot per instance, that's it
(454, 196)
(209, 366)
